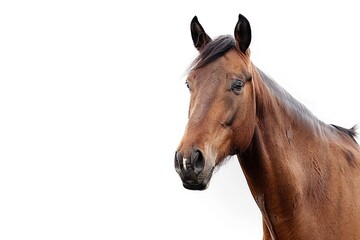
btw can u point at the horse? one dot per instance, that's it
(304, 174)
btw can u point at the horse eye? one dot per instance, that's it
(187, 85)
(237, 85)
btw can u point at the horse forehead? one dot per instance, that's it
(229, 63)
(233, 60)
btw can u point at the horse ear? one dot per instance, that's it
(242, 34)
(198, 34)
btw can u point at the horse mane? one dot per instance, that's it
(290, 102)
(350, 132)
(213, 50)
(299, 108)
(222, 44)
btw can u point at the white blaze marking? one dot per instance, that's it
(184, 163)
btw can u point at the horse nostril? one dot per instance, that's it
(178, 161)
(197, 161)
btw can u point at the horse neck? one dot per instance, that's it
(295, 163)
(273, 164)
(285, 129)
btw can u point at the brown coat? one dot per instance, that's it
(304, 174)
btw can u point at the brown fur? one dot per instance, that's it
(304, 174)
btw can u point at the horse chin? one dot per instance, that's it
(195, 185)
(200, 187)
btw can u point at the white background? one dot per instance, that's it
(93, 104)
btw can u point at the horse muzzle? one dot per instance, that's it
(193, 170)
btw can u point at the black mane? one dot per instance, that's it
(298, 107)
(213, 50)
(350, 132)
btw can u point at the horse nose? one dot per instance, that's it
(196, 163)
